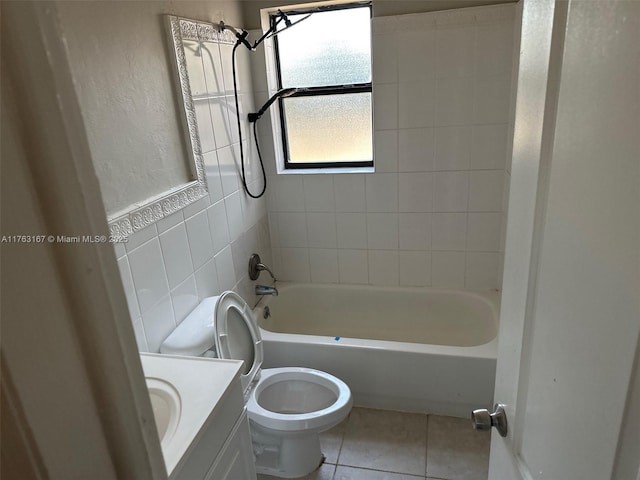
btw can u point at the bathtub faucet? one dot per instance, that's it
(256, 266)
(265, 290)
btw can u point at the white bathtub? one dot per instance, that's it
(409, 349)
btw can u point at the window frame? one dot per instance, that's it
(340, 89)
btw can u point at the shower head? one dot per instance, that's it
(285, 92)
(288, 24)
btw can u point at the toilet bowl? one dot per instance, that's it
(287, 407)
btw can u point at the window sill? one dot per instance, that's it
(329, 171)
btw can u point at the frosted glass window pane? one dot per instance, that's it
(328, 48)
(329, 128)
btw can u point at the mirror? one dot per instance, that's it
(185, 38)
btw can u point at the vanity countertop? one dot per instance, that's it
(201, 383)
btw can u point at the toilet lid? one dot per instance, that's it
(237, 336)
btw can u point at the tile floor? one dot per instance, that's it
(384, 445)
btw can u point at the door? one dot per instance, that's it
(570, 312)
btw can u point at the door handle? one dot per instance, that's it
(482, 419)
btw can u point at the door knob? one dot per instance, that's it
(482, 419)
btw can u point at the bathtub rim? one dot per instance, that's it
(486, 350)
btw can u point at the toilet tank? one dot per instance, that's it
(196, 334)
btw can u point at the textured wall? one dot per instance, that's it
(120, 61)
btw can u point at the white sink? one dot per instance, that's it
(184, 393)
(166, 405)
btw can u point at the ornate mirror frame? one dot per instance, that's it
(143, 214)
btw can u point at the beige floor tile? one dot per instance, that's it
(385, 440)
(331, 441)
(455, 451)
(325, 472)
(351, 473)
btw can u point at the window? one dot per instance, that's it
(328, 121)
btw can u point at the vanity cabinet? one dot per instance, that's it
(235, 460)
(222, 449)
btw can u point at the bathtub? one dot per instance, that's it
(408, 349)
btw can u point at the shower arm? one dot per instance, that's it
(242, 35)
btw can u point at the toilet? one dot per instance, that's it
(287, 407)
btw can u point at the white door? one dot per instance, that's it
(570, 311)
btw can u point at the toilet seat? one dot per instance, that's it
(328, 415)
(237, 336)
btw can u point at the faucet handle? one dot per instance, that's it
(255, 267)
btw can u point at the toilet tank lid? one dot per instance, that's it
(196, 333)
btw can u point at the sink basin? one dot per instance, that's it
(166, 405)
(184, 393)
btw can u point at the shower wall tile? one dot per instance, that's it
(323, 263)
(169, 267)
(433, 213)
(383, 267)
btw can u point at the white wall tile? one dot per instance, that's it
(228, 169)
(353, 266)
(383, 267)
(139, 237)
(384, 58)
(176, 254)
(199, 239)
(386, 151)
(449, 231)
(385, 106)
(295, 265)
(350, 193)
(453, 148)
(455, 51)
(416, 150)
(205, 127)
(196, 207)
(235, 220)
(141, 339)
(293, 229)
(382, 231)
(447, 269)
(416, 104)
(119, 250)
(454, 101)
(170, 221)
(414, 231)
(318, 193)
(415, 269)
(224, 269)
(415, 192)
(220, 121)
(450, 191)
(485, 191)
(416, 55)
(351, 230)
(158, 323)
(492, 99)
(321, 229)
(482, 270)
(324, 265)
(184, 299)
(494, 45)
(382, 192)
(489, 147)
(129, 289)
(206, 278)
(218, 227)
(289, 193)
(149, 277)
(483, 232)
(214, 180)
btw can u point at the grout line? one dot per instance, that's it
(426, 450)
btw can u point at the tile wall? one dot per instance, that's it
(432, 214)
(204, 249)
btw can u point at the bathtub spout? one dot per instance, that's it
(265, 290)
